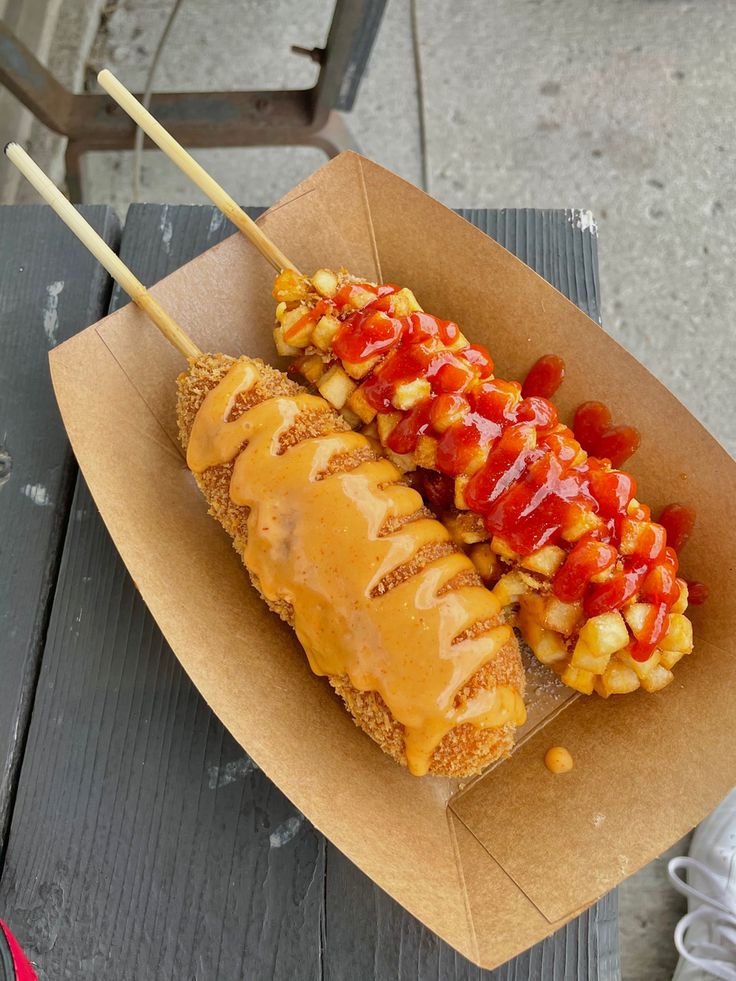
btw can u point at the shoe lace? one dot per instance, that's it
(717, 955)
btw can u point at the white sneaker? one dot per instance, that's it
(706, 936)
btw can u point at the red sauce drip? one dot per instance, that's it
(697, 592)
(679, 520)
(403, 439)
(545, 377)
(310, 317)
(594, 431)
(528, 478)
(461, 444)
(525, 495)
(587, 558)
(617, 445)
(370, 332)
(350, 291)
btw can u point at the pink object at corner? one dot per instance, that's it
(23, 970)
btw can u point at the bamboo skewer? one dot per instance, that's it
(194, 171)
(101, 251)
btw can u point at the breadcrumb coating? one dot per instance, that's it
(466, 749)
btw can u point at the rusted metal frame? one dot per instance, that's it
(207, 119)
(353, 30)
(32, 84)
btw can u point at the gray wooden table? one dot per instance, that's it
(137, 840)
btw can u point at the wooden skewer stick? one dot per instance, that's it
(194, 171)
(101, 250)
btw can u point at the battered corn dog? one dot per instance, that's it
(545, 513)
(384, 603)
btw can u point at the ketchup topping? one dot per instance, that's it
(594, 431)
(697, 592)
(545, 377)
(679, 520)
(534, 481)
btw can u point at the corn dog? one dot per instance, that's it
(556, 529)
(385, 605)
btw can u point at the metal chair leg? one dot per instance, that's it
(72, 163)
(334, 137)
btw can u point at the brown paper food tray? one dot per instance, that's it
(504, 862)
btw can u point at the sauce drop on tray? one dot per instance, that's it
(545, 377)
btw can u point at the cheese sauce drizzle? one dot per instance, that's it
(314, 541)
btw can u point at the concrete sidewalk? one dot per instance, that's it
(624, 107)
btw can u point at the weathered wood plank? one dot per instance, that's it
(144, 843)
(49, 288)
(142, 837)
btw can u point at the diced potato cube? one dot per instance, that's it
(290, 285)
(475, 460)
(605, 633)
(466, 528)
(579, 679)
(448, 410)
(404, 302)
(284, 349)
(325, 282)
(509, 588)
(681, 605)
(361, 407)
(546, 561)
(409, 394)
(335, 386)
(561, 616)
(531, 606)
(460, 484)
(670, 658)
(679, 636)
(460, 343)
(502, 548)
(531, 629)
(402, 461)
(617, 679)
(350, 417)
(297, 326)
(606, 574)
(387, 422)
(485, 561)
(312, 367)
(324, 332)
(550, 648)
(584, 656)
(360, 298)
(642, 668)
(633, 535)
(425, 454)
(620, 679)
(636, 615)
(579, 523)
(657, 679)
(359, 369)
(371, 434)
